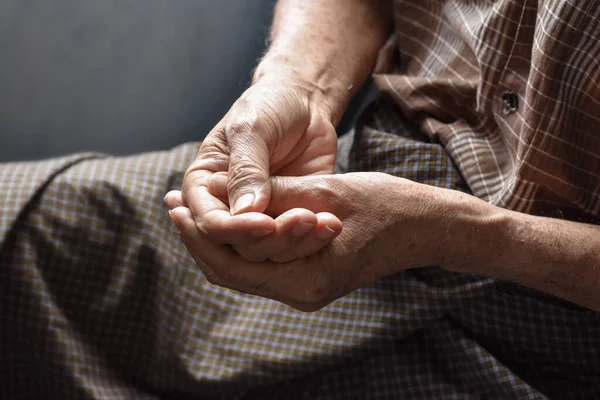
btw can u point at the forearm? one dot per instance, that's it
(332, 44)
(558, 257)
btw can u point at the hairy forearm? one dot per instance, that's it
(558, 257)
(332, 44)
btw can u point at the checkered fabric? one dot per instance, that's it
(511, 88)
(100, 300)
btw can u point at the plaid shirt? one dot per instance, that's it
(511, 88)
(100, 300)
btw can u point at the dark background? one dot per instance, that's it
(121, 76)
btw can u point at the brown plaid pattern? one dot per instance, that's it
(452, 64)
(100, 300)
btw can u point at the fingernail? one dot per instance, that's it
(326, 233)
(261, 232)
(242, 203)
(302, 228)
(167, 203)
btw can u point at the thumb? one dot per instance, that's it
(248, 187)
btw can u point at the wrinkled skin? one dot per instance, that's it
(364, 250)
(275, 128)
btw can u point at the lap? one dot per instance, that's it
(102, 300)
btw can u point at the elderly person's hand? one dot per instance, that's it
(296, 233)
(280, 126)
(389, 224)
(320, 54)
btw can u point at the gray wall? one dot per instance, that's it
(121, 76)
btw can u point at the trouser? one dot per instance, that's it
(99, 299)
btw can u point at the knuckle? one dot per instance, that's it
(247, 123)
(192, 180)
(215, 147)
(244, 168)
(212, 156)
(238, 128)
(244, 101)
(260, 120)
(245, 173)
(324, 193)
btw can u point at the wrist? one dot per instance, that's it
(328, 93)
(474, 234)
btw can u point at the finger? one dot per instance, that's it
(195, 243)
(219, 263)
(212, 214)
(173, 199)
(222, 227)
(248, 186)
(212, 158)
(316, 193)
(213, 217)
(327, 228)
(291, 227)
(196, 195)
(224, 267)
(213, 154)
(217, 185)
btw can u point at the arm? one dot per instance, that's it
(321, 52)
(554, 256)
(332, 44)
(391, 224)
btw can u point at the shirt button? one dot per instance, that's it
(511, 102)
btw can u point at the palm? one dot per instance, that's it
(313, 154)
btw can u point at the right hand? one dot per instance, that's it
(279, 126)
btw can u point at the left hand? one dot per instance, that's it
(389, 225)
